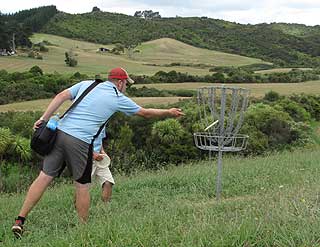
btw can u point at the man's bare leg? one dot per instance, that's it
(35, 192)
(106, 191)
(82, 201)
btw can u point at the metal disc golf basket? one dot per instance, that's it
(221, 111)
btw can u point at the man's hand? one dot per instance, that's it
(97, 156)
(176, 112)
(37, 124)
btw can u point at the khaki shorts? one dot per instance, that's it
(100, 169)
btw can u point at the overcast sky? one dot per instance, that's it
(241, 11)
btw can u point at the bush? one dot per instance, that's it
(266, 123)
(311, 103)
(296, 111)
(36, 70)
(32, 54)
(271, 96)
(70, 59)
(167, 131)
(15, 178)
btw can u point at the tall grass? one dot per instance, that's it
(266, 201)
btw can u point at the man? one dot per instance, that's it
(100, 167)
(75, 133)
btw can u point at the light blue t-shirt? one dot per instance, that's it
(97, 144)
(84, 121)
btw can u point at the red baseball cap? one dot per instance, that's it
(120, 73)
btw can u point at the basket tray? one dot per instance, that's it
(214, 142)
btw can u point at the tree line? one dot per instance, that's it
(230, 75)
(18, 27)
(34, 84)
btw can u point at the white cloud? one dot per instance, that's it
(245, 11)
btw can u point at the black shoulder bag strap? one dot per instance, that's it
(88, 89)
(86, 177)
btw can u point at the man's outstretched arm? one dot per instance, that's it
(152, 113)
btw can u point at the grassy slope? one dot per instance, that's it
(166, 50)
(267, 201)
(258, 90)
(162, 51)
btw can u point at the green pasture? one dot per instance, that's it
(166, 50)
(257, 89)
(41, 105)
(266, 201)
(91, 62)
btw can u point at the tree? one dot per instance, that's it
(138, 14)
(36, 70)
(147, 14)
(130, 44)
(95, 9)
(70, 59)
(4, 39)
(118, 48)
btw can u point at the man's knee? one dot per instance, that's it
(45, 178)
(82, 187)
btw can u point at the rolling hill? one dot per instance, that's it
(161, 52)
(274, 43)
(279, 43)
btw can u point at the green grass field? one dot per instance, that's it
(41, 105)
(162, 51)
(266, 201)
(166, 50)
(257, 89)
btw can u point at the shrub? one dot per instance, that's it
(70, 59)
(15, 178)
(264, 121)
(271, 96)
(167, 131)
(36, 70)
(311, 103)
(32, 54)
(296, 111)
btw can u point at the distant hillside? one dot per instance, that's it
(34, 18)
(269, 42)
(153, 56)
(298, 30)
(21, 25)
